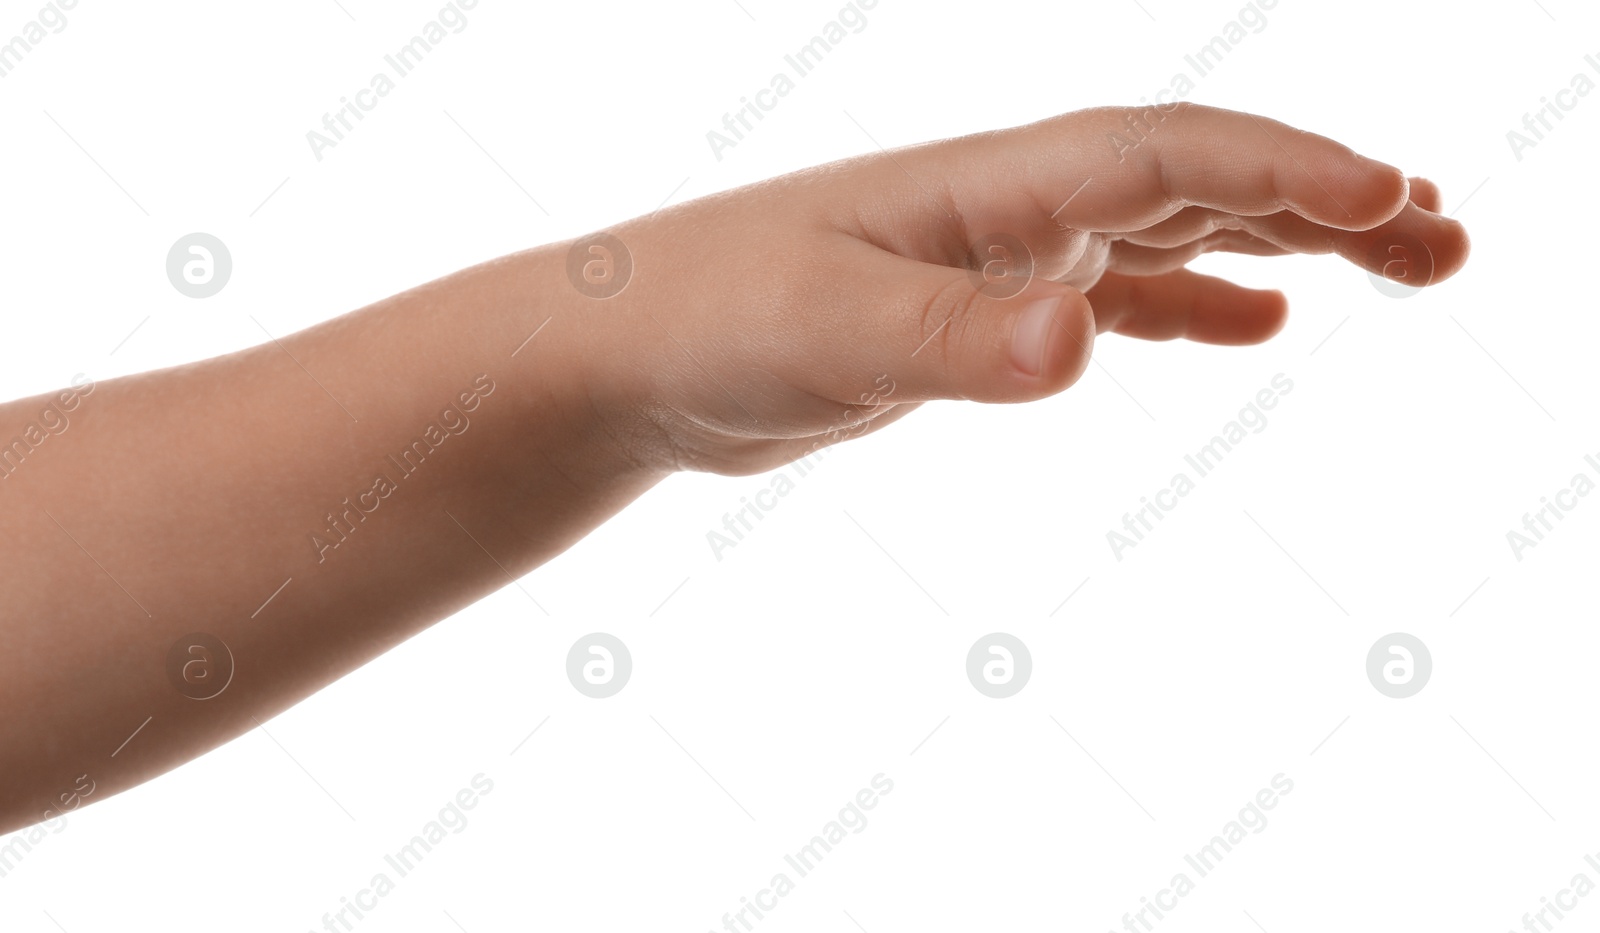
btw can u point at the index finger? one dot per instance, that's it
(1115, 168)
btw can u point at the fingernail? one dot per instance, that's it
(1031, 336)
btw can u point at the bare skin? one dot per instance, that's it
(754, 325)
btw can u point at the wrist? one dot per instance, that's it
(579, 406)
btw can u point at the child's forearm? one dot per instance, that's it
(308, 502)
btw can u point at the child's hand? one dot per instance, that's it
(763, 322)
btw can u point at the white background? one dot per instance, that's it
(769, 686)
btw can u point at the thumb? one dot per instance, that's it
(942, 332)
